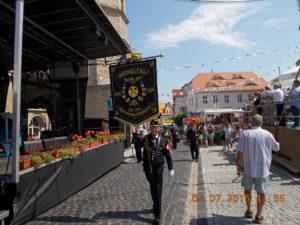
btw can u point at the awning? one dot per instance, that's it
(228, 110)
(60, 31)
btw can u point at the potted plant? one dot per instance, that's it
(56, 154)
(47, 156)
(99, 137)
(68, 153)
(25, 163)
(37, 159)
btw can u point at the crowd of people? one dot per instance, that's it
(278, 107)
(252, 160)
(208, 134)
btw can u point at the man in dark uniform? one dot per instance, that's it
(193, 141)
(155, 150)
(137, 141)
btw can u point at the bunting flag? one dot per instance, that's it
(134, 91)
(232, 59)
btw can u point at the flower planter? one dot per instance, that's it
(86, 146)
(93, 144)
(77, 148)
(56, 154)
(25, 164)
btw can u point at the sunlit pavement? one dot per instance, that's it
(224, 195)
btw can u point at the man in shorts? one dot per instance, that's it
(255, 155)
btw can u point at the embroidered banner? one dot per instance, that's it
(134, 91)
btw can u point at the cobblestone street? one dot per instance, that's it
(122, 196)
(221, 182)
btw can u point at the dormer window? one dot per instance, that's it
(211, 84)
(230, 83)
(217, 77)
(250, 83)
(237, 76)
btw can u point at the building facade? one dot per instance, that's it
(286, 79)
(179, 101)
(220, 90)
(98, 86)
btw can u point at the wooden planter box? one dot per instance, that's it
(104, 141)
(25, 164)
(86, 146)
(94, 144)
(77, 148)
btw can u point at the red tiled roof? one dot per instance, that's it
(177, 92)
(228, 81)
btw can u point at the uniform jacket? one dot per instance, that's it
(192, 137)
(156, 156)
(136, 140)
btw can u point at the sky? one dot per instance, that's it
(259, 36)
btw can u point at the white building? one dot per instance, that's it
(179, 101)
(217, 90)
(286, 79)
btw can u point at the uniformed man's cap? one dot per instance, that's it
(155, 122)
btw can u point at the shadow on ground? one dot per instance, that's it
(133, 215)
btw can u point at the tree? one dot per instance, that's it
(179, 119)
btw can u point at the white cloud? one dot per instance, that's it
(211, 23)
(275, 22)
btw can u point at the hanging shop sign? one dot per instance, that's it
(134, 91)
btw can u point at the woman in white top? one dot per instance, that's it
(228, 131)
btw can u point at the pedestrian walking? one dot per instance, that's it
(137, 138)
(254, 156)
(211, 134)
(295, 103)
(228, 133)
(205, 135)
(175, 137)
(192, 139)
(155, 150)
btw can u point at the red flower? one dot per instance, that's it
(29, 152)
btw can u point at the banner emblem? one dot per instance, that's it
(134, 91)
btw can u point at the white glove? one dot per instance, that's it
(172, 173)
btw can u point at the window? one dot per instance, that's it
(211, 84)
(204, 99)
(239, 98)
(230, 83)
(250, 83)
(237, 76)
(215, 98)
(226, 99)
(249, 97)
(217, 77)
(39, 75)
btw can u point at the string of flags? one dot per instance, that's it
(296, 50)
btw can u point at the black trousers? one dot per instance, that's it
(194, 151)
(280, 114)
(138, 151)
(174, 143)
(156, 185)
